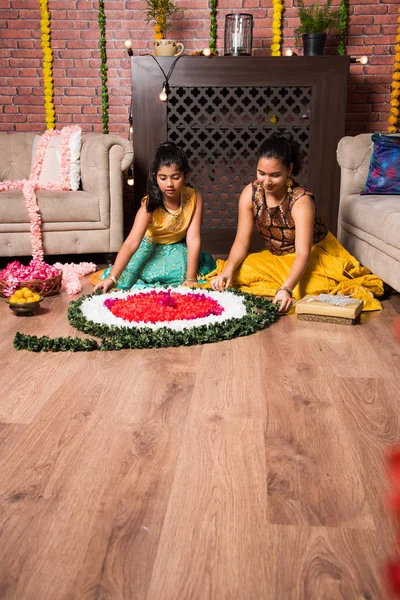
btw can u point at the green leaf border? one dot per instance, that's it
(260, 313)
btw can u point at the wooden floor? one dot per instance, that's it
(249, 469)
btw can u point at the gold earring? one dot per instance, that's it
(289, 185)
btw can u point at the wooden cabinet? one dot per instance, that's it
(220, 109)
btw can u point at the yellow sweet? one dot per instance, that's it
(28, 294)
(36, 297)
(13, 299)
(31, 299)
(20, 301)
(18, 293)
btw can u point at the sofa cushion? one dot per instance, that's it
(55, 207)
(15, 155)
(51, 165)
(376, 215)
(384, 172)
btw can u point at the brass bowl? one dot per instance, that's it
(25, 309)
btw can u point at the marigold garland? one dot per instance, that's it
(394, 103)
(47, 64)
(277, 28)
(103, 66)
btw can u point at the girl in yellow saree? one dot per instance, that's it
(301, 257)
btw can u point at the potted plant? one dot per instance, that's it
(315, 21)
(160, 13)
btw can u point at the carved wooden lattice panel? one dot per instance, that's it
(221, 129)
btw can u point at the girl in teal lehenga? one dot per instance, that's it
(163, 247)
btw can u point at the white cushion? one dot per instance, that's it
(51, 169)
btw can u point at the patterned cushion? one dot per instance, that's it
(384, 168)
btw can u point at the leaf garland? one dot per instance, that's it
(395, 103)
(58, 344)
(213, 26)
(260, 313)
(48, 57)
(103, 66)
(277, 28)
(343, 14)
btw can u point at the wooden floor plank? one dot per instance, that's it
(93, 458)
(369, 411)
(324, 564)
(306, 448)
(213, 536)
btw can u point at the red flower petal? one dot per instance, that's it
(163, 306)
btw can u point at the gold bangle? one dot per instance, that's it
(115, 281)
(285, 289)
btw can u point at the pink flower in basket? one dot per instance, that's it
(17, 275)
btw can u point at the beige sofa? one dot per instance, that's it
(368, 226)
(87, 221)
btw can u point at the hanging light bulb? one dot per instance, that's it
(128, 46)
(164, 96)
(362, 60)
(206, 52)
(130, 180)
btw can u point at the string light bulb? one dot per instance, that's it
(362, 60)
(164, 95)
(289, 52)
(206, 52)
(130, 180)
(128, 46)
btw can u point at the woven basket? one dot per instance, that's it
(43, 287)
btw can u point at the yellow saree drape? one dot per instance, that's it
(331, 270)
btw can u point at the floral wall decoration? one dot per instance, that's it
(103, 66)
(395, 102)
(277, 28)
(342, 27)
(213, 26)
(47, 64)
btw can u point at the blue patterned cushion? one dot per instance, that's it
(384, 168)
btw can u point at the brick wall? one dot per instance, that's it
(75, 33)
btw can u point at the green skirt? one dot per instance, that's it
(159, 265)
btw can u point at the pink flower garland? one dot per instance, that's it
(71, 272)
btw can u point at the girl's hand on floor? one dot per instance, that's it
(221, 282)
(285, 300)
(104, 285)
(190, 283)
